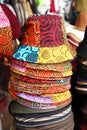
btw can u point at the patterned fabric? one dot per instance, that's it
(41, 74)
(60, 83)
(33, 80)
(39, 89)
(6, 42)
(44, 41)
(40, 105)
(15, 26)
(64, 66)
(46, 98)
(4, 21)
(45, 31)
(43, 55)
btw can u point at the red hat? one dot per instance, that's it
(15, 25)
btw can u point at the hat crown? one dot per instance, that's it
(44, 31)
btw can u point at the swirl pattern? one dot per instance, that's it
(44, 31)
(6, 42)
(44, 55)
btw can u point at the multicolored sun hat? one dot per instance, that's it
(44, 41)
(15, 76)
(40, 74)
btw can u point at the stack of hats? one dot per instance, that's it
(40, 76)
(81, 80)
(9, 31)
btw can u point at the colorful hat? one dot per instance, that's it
(40, 88)
(10, 29)
(40, 74)
(60, 67)
(14, 23)
(15, 76)
(44, 41)
(17, 108)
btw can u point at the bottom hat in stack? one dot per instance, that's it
(40, 77)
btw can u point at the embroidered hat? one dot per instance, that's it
(44, 41)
